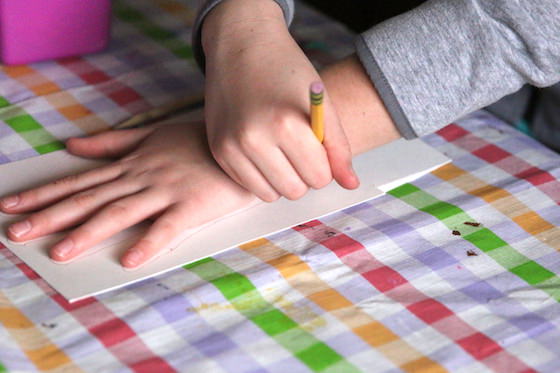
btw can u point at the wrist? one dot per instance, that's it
(236, 23)
(363, 116)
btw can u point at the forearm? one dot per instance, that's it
(363, 115)
(236, 14)
(236, 23)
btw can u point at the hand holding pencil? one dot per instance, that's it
(257, 114)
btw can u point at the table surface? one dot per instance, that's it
(457, 271)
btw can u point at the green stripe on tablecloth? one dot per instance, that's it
(3, 102)
(165, 37)
(247, 300)
(483, 238)
(35, 135)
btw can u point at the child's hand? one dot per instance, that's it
(165, 172)
(257, 108)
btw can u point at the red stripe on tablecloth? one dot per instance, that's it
(492, 153)
(399, 289)
(452, 132)
(109, 332)
(117, 91)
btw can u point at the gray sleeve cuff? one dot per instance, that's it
(286, 5)
(384, 90)
(444, 59)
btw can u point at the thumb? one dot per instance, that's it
(338, 150)
(109, 144)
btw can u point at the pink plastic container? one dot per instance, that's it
(35, 30)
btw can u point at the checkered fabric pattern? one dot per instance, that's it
(457, 271)
(148, 65)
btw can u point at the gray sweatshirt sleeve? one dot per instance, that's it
(447, 58)
(207, 5)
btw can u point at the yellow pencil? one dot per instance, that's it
(317, 114)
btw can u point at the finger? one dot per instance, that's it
(309, 159)
(48, 194)
(244, 173)
(280, 173)
(109, 144)
(70, 211)
(160, 234)
(338, 151)
(112, 219)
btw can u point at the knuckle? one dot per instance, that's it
(269, 196)
(168, 227)
(168, 176)
(287, 127)
(145, 244)
(222, 148)
(81, 237)
(117, 211)
(27, 198)
(321, 180)
(83, 200)
(67, 181)
(250, 142)
(295, 191)
(40, 222)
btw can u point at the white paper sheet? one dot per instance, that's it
(379, 170)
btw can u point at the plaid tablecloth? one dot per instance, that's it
(457, 271)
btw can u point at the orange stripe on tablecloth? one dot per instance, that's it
(17, 71)
(77, 113)
(493, 154)
(399, 289)
(302, 278)
(35, 344)
(103, 324)
(67, 105)
(503, 201)
(36, 82)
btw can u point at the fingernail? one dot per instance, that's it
(20, 228)
(10, 201)
(63, 249)
(133, 257)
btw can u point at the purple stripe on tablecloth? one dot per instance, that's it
(6, 131)
(215, 344)
(482, 292)
(452, 357)
(550, 214)
(69, 82)
(288, 365)
(402, 323)
(533, 325)
(348, 344)
(4, 159)
(436, 258)
(101, 105)
(49, 118)
(23, 154)
(11, 276)
(174, 309)
(356, 290)
(510, 229)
